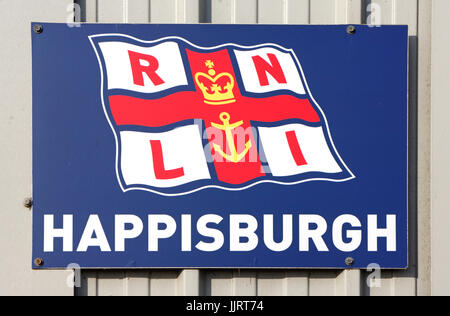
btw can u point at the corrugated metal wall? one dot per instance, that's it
(232, 282)
(15, 155)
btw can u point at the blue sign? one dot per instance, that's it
(182, 146)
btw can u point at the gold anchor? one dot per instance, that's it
(227, 127)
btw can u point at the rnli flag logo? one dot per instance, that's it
(187, 118)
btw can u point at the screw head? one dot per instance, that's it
(351, 29)
(38, 29)
(28, 203)
(349, 261)
(39, 262)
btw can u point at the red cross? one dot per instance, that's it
(191, 105)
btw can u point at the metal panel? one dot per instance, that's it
(440, 150)
(387, 10)
(270, 14)
(221, 283)
(336, 12)
(88, 10)
(424, 148)
(234, 11)
(286, 12)
(141, 11)
(16, 103)
(16, 275)
(111, 11)
(124, 11)
(298, 11)
(137, 11)
(175, 11)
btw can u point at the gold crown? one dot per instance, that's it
(220, 87)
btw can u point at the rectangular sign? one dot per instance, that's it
(179, 146)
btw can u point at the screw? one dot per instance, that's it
(349, 261)
(351, 29)
(38, 29)
(39, 262)
(28, 203)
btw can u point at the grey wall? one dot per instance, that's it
(440, 198)
(15, 154)
(429, 66)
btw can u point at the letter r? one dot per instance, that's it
(138, 69)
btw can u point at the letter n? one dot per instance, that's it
(273, 68)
